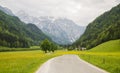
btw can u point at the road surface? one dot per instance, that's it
(68, 64)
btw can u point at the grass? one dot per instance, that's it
(25, 61)
(6, 49)
(106, 56)
(110, 46)
(107, 61)
(29, 61)
(22, 61)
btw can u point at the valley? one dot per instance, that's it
(30, 61)
(61, 30)
(31, 36)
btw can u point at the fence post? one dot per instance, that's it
(103, 61)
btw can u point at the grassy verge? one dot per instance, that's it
(22, 62)
(107, 61)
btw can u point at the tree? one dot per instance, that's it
(4, 43)
(48, 46)
(53, 47)
(45, 45)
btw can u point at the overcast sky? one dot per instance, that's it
(80, 11)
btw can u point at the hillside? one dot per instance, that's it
(104, 28)
(35, 33)
(14, 33)
(110, 46)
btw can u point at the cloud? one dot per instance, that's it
(80, 11)
(117, 0)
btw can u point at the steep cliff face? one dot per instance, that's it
(61, 30)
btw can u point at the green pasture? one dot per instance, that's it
(30, 61)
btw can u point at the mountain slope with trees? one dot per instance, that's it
(35, 33)
(104, 28)
(6, 10)
(14, 33)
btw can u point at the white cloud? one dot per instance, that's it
(80, 11)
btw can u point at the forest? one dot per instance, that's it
(15, 33)
(104, 28)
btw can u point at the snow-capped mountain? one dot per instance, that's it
(62, 30)
(6, 10)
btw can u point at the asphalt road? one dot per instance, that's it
(68, 64)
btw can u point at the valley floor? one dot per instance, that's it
(30, 61)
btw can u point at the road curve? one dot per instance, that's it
(68, 64)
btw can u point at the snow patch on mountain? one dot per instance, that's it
(62, 30)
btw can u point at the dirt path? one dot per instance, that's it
(68, 64)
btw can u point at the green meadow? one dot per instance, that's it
(105, 56)
(30, 61)
(22, 61)
(110, 46)
(107, 61)
(26, 61)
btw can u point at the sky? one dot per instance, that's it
(82, 12)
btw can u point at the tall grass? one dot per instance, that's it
(105, 55)
(22, 62)
(25, 61)
(107, 61)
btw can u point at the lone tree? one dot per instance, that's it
(45, 45)
(48, 46)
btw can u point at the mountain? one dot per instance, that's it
(62, 30)
(6, 10)
(104, 28)
(15, 33)
(27, 18)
